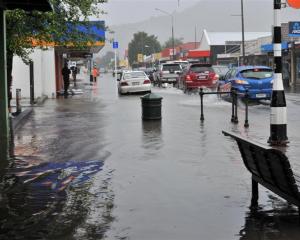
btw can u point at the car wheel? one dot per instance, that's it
(185, 89)
(180, 85)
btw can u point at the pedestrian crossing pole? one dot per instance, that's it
(278, 119)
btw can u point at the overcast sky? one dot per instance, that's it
(130, 11)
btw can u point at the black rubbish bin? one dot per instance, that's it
(151, 107)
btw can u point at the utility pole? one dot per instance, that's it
(195, 37)
(278, 119)
(173, 41)
(116, 75)
(243, 31)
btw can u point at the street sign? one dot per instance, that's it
(115, 45)
(294, 29)
(294, 3)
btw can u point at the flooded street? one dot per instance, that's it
(88, 167)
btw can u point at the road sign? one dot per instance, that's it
(115, 45)
(294, 3)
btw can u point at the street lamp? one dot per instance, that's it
(172, 18)
(243, 30)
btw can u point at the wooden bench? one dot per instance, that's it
(270, 168)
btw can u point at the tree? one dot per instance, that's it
(169, 42)
(50, 27)
(143, 44)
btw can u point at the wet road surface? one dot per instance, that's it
(88, 167)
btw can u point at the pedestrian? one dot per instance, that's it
(74, 73)
(95, 74)
(66, 77)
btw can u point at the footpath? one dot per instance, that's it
(18, 119)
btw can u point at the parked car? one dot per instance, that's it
(183, 64)
(198, 75)
(258, 80)
(133, 82)
(117, 71)
(168, 73)
(221, 70)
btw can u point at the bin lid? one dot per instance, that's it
(151, 96)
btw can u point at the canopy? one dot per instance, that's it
(27, 5)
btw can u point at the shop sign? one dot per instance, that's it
(294, 3)
(171, 53)
(294, 29)
(140, 58)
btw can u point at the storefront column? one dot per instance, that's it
(293, 77)
(4, 126)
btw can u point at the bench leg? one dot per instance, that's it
(254, 200)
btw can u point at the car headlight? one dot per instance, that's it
(242, 82)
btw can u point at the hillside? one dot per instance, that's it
(210, 15)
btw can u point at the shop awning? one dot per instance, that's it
(269, 47)
(94, 29)
(27, 5)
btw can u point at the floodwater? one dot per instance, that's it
(88, 167)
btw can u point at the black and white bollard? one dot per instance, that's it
(278, 121)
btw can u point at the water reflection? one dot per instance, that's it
(41, 200)
(6, 148)
(4, 153)
(152, 137)
(276, 224)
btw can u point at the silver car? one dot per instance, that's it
(133, 82)
(169, 73)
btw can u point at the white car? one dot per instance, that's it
(133, 82)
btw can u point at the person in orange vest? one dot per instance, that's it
(95, 73)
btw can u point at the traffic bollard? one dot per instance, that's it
(232, 104)
(18, 101)
(236, 120)
(246, 124)
(201, 100)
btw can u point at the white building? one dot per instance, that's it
(44, 74)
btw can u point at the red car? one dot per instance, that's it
(198, 75)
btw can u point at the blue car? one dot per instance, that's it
(257, 79)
